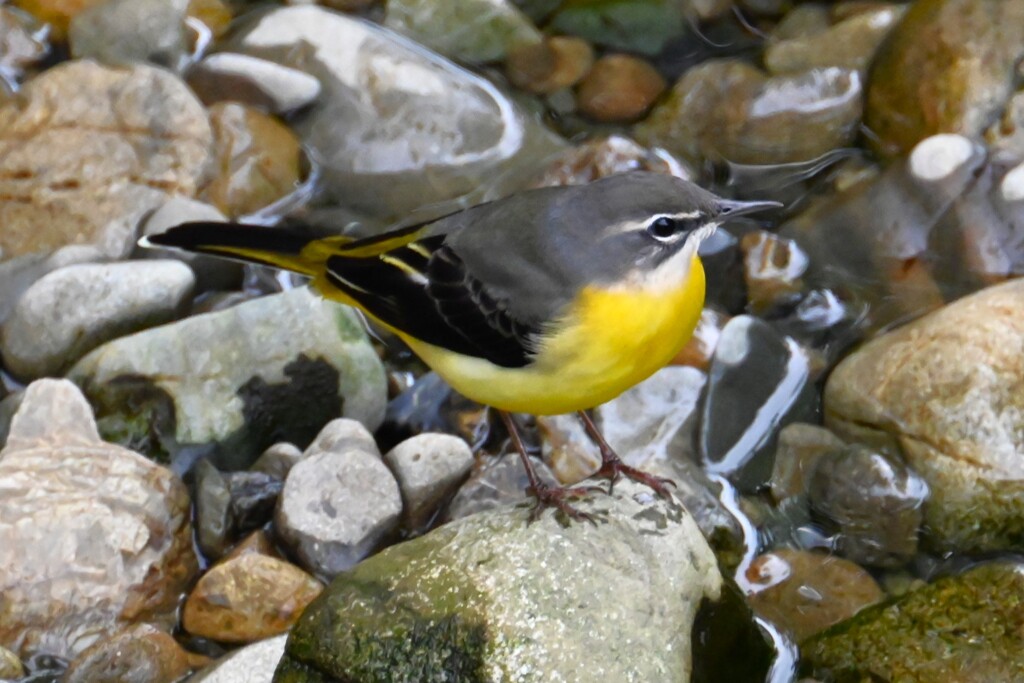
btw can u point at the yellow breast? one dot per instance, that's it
(611, 340)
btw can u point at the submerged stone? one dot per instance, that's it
(473, 31)
(756, 383)
(396, 126)
(730, 111)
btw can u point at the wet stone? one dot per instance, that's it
(605, 156)
(227, 385)
(643, 26)
(804, 593)
(619, 89)
(485, 598)
(474, 31)
(850, 43)
(756, 384)
(772, 268)
(339, 502)
(956, 423)
(248, 598)
(885, 264)
(966, 625)
(799, 449)
(139, 654)
(71, 311)
(873, 502)
(68, 504)
(409, 141)
(802, 21)
(729, 110)
(430, 405)
(823, 321)
(87, 151)
(655, 419)
(548, 66)
(278, 460)
(253, 498)
(257, 159)
(698, 351)
(227, 76)
(8, 407)
(123, 32)
(213, 509)
(948, 67)
(723, 270)
(251, 664)
(428, 467)
(258, 542)
(496, 481)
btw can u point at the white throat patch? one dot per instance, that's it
(671, 273)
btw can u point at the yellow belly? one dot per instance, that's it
(611, 341)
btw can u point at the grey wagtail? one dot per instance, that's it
(550, 301)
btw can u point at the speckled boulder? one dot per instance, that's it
(947, 393)
(93, 537)
(493, 598)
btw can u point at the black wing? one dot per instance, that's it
(424, 289)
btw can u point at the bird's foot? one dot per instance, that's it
(612, 468)
(560, 498)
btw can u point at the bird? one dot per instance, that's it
(551, 300)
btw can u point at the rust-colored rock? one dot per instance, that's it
(619, 88)
(248, 598)
(804, 592)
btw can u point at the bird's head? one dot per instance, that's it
(643, 229)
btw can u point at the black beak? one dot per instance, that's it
(728, 208)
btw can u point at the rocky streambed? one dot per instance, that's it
(208, 473)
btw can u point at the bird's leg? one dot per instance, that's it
(612, 466)
(547, 496)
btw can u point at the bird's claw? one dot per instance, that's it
(559, 498)
(613, 469)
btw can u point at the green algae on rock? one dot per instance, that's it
(493, 598)
(964, 628)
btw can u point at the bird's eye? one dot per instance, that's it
(663, 227)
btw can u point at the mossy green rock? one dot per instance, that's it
(492, 597)
(229, 384)
(948, 67)
(967, 628)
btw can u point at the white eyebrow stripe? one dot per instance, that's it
(627, 226)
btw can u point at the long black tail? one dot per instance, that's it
(277, 247)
